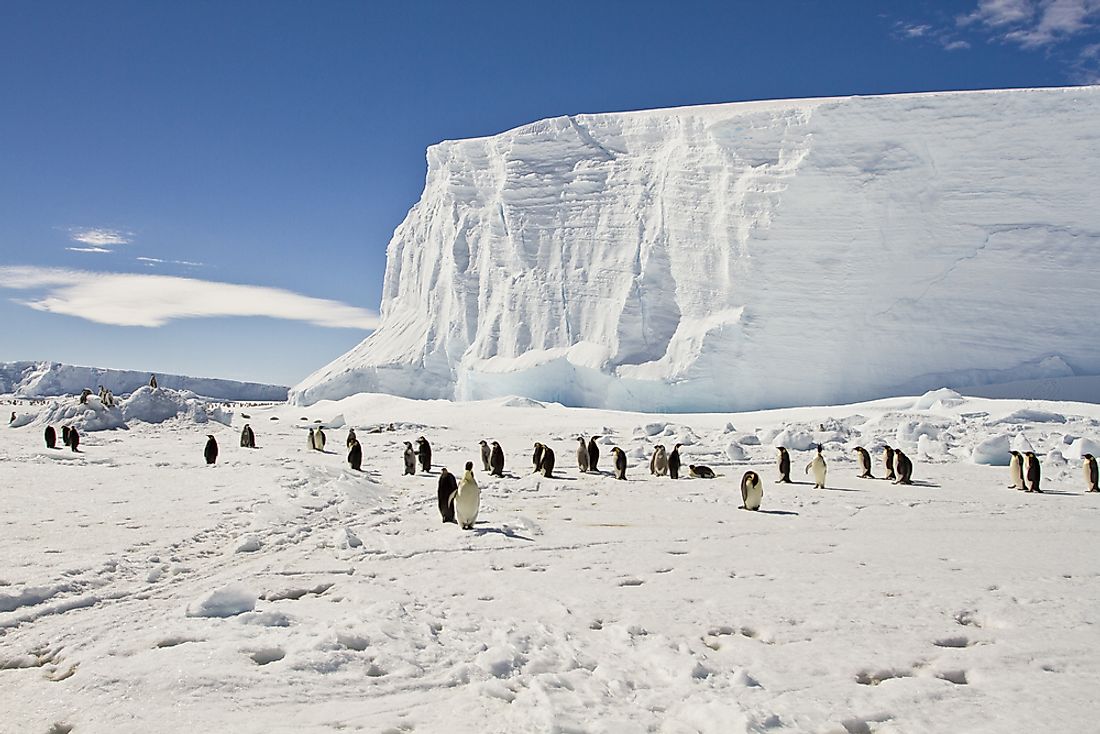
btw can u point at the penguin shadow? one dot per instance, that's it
(772, 512)
(500, 531)
(922, 483)
(1064, 494)
(841, 489)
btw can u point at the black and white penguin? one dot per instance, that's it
(888, 460)
(424, 451)
(211, 450)
(864, 463)
(700, 471)
(355, 455)
(467, 499)
(1090, 472)
(658, 463)
(410, 459)
(351, 437)
(496, 461)
(674, 462)
(312, 439)
(536, 457)
(784, 466)
(818, 466)
(74, 439)
(12, 419)
(620, 462)
(319, 439)
(903, 468)
(448, 486)
(752, 491)
(1016, 471)
(593, 455)
(153, 381)
(546, 467)
(248, 438)
(1032, 472)
(65, 431)
(582, 455)
(51, 437)
(486, 454)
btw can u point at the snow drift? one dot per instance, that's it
(747, 255)
(146, 404)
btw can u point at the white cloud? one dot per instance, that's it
(157, 261)
(98, 237)
(915, 31)
(1034, 23)
(999, 13)
(87, 249)
(132, 299)
(955, 45)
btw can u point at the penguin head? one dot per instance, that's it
(443, 471)
(1087, 457)
(496, 444)
(858, 448)
(482, 442)
(469, 466)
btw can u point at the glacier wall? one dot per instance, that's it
(747, 255)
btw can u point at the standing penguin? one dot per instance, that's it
(1016, 471)
(536, 457)
(312, 439)
(410, 459)
(248, 438)
(888, 460)
(211, 450)
(674, 462)
(424, 451)
(448, 485)
(593, 455)
(51, 437)
(1090, 471)
(1032, 472)
(351, 437)
(752, 491)
(467, 499)
(864, 463)
(486, 453)
(817, 464)
(65, 431)
(74, 439)
(547, 465)
(620, 463)
(355, 455)
(903, 467)
(658, 463)
(496, 461)
(153, 381)
(319, 439)
(784, 466)
(12, 419)
(582, 455)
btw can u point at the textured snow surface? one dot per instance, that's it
(747, 255)
(278, 591)
(51, 379)
(144, 405)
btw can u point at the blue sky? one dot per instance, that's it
(257, 156)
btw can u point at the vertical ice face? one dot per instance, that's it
(746, 255)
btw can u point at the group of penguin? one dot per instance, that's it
(69, 436)
(1026, 472)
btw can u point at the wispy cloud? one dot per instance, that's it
(938, 34)
(88, 249)
(139, 299)
(99, 237)
(1033, 23)
(151, 261)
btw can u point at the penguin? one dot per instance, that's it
(355, 455)
(674, 462)
(486, 453)
(700, 471)
(620, 463)
(1032, 472)
(65, 431)
(1090, 472)
(84, 396)
(582, 455)
(658, 464)
(211, 450)
(51, 437)
(536, 458)
(448, 486)
(888, 460)
(864, 463)
(547, 465)
(248, 438)
(410, 459)
(12, 419)
(752, 491)
(593, 455)
(351, 437)
(817, 464)
(74, 439)
(312, 439)
(903, 468)
(784, 466)
(1016, 471)
(467, 499)
(319, 439)
(496, 461)
(153, 381)
(424, 451)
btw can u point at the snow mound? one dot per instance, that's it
(156, 405)
(84, 417)
(521, 402)
(944, 397)
(794, 440)
(1028, 415)
(993, 451)
(227, 601)
(1080, 447)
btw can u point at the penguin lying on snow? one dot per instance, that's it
(701, 472)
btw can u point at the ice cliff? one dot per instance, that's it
(747, 255)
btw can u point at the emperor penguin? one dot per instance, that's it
(817, 464)
(312, 439)
(51, 437)
(888, 460)
(536, 458)
(1090, 472)
(701, 472)
(319, 439)
(496, 461)
(467, 499)
(658, 464)
(410, 459)
(784, 466)
(547, 465)
(486, 452)
(74, 439)
(1016, 471)
(448, 485)
(582, 455)
(12, 419)
(248, 439)
(903, 468)
(674, 462)
(211, 450)
(1032, 472)
(593, 455)
(424, 451)
(351, 437)
(355, 455)
(65, 430)
(864, 463)
(752, 491)
(620, 462)
(153, 381)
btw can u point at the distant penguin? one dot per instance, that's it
(752, 491)
(51, 437)
(700, 471)
(74, 439)
(784, 466)
(12, 419)
(211, 450)
(658, 463)
(536, 457)
(410, 459)
(582, 455)
(424, 451)
(593, 455)
(496, 461)
(903, 468)
(674, 462)
(467, 499)
(818, 466)
(248, 438)
(448, 485)
(355, 455)
(1016, 471)
(84, 396)
(153, 381)
(352, 438)
(65, 431)
(620, 463)
(864, 463)
(319, 439)
(486, 454)
(312, 439)
(888, 460)
(1032, 472)
(547, 465)
(1091, 477)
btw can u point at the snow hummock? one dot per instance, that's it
(748, 255)
(146, 405)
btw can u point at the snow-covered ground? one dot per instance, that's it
(279, 591)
